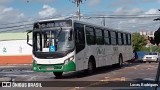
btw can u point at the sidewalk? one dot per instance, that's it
(5, 79)
(12, 68)
(14, 65)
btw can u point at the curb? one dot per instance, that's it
(5, 79)
(15, 65)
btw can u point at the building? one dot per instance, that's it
(148, 34)
(14, 48)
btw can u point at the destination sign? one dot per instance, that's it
(51, 24)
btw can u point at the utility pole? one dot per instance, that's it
(78, 3)
(78, 11)
(104, 21)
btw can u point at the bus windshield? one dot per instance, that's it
(53, 40)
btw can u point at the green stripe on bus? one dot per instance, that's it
(70, 66)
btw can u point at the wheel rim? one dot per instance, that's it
(120, 61)
(90, 67)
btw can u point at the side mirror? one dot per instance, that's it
(28, 38)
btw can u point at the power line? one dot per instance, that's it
(15, 26)
(126, 17)
(106, 16)
(115, 14)
(15, 29)
(88, 17)
(25, 21)
(15, 22)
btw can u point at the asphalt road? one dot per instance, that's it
(129, 72)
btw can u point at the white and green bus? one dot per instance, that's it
(70, 45)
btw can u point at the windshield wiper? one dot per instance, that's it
(59, 32)
(55, 40)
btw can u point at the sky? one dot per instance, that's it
(13, 11)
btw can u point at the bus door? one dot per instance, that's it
(80, 46)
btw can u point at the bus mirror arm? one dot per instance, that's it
(28, 38)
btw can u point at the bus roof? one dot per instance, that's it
(100, 26)
(82, 22)
(54, 19)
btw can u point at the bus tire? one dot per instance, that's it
(120, 63)
(58, 74)
(91, 67)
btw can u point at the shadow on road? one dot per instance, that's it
(100, 70)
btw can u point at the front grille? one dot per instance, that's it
(149, 57)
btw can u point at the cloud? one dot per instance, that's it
(152, 11)
(131, 24)
(5, 1)
(42, 1)
(94, 2)
(122, 3)
(128, 11)
(12, 15)
(9, 13)
(47, 11)
(7, 10)
(134, 24)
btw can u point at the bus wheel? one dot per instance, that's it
(58, 74)
(120, 64)
(91, 67)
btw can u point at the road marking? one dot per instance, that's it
(33, 77)
(16, 75)
(115, 79)
(148, 79)
(106, 77)
(76, 88)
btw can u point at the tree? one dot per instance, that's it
(138, 41)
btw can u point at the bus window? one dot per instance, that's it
(106, 37)
(119, 39)
(99, 37)
(113, 38)
(124, 39)
(90, 36)
(129, 39)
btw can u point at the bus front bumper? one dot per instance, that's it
(70, 66)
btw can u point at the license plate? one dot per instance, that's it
(148, 59)
(50, 68)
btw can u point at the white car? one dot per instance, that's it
(151, 57)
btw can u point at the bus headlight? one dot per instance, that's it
(68, 60)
